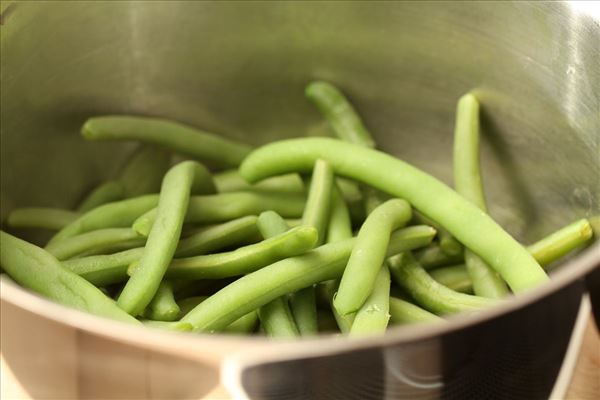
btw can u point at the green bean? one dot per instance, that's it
(231, 181)
(227, 206)
(433, 256)
(468, 183)
(448, 244)
(186, 305)
(172, 135)
(144, 171)
(169, 325)
(431, 295)
(353, 198)
(163, 306)
(344, 322)
(339, 113)
(218, 237)
(287, 276)
(245, 259)
(102, 270)
(340, 225)
(181, 180)
(275, 317)
(561, 242)
(105, 193)
(119, 214)
(404, 312)
(41, 217)
(94, 240)
(373, 316)
(242, 325)
(368, 254)
(468, 224)
(36, 269)
(115, 248)
(303, 305)
(454, 277)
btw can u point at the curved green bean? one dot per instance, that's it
(373, 316)
(105, 193)
(163, 306)
(172, 135)
(287, 276)
(468, 183)
(119, 214)
(102, 270)
(36, 269)
(181, 180)
(93, 241)
(244, 260)
(454, 277)
(339, 113)
(145, 170)
(433, 256)
(369, 254)
(403, 312)
(231, 181)
(463, 220)
(217, 237)
(431, 295)
(275, 317)
(227, 206)
(41, 217)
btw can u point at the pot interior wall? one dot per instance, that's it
(239, 70)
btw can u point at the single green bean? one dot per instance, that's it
(244, 260)
(172, 135)
(287, 276)
(316, 214)
(102, 270)
(177, 326)
(231, 181)
(227, 206)
(145, 170)
(340, 225)
(448, 244)
(41, 217)
(276, 317)
(115, 248)
(107, 192)
(468, 183)
(433, 256)
(344, 322)
(163, 306)
(188, 304)
(119, 214)
(218, 237)
(404, 312)
(36, 269)
(244, 324)
(181, 180)
(373, 316)
(339, 113)
(561, 242)
(431, 295)
(454, 277)
(94, 240)
(368, 254)
(462, 219)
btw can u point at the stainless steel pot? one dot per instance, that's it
(239, 69)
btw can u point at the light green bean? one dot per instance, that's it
(231, 181)
(433, 256)
(431, 295)
(454, 277)
(218, 237)
(98, 240)
(227, 206)
(287, 276)
(41, 217)
(368, 254)
(448, 244)
(181, 180)
(463, 220)
(36, 269)
(177, 326)
(102, 270)
(403, 312)
(107, 192)
(244, 324)
(373, 316)
(172, 135)
(163, 306)
(145, 170)
(468, 183)
(561, 242)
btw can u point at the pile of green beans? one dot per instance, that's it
(295, 238)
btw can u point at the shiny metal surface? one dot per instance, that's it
(239, 69)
